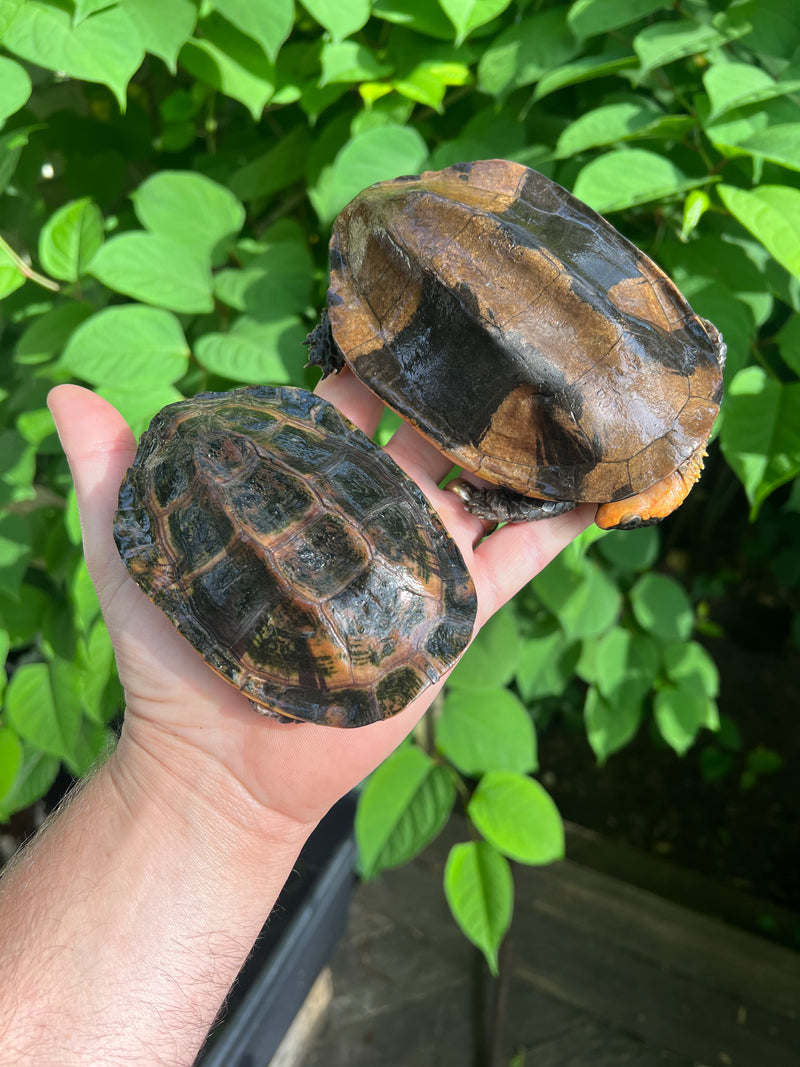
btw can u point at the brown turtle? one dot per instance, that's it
(295, 556)
(524, 336)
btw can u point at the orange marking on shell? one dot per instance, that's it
(656, 502)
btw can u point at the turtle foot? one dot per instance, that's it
(322, 349)
(503, 505)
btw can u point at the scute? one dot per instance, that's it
(521, 333)
(270, 531)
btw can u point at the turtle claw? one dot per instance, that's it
(502, 505)
(322, 349)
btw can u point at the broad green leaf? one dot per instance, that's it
(732, 85)
(155, 270)
(369, 157)
(772, 214)
(518, 817)
(627, 666)
(630, 176)
(10, 761)
(11, 278)
(586, 68)
(587, 18)
(273, 284)
(84, 597)
(226, 59)
(585, 601)
(138, 405)
(609, 725)
(688, 664)
(402, 808)
(761, 432)
(428, 81)
(283, 164)
(130, 344)
(96, 671)
(245, 359)
(348, 61)
(420, 15)
(190, 209)
(22, 616)
(11, 145)
(680, 712)
(85, 8)
(15, 551)
(606, 124)
(17, 468)
(339, 17)
(487, 730)
(163, 28)
(269, 24)
(492, 658)
(35, 775)
(467, 15)
(775, 26)
(46, 336)
(662, 608)
(70, 239)
(521, 54)
(779, 144)
(15, 87)
(546, 665)
(35, 426)
(9, 9)
(106, 48)
(789, 342)
(32, 710)
(479, 888)
(631, 550)
(664, 42)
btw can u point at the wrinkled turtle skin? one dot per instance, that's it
(294, 555)
(524, 336)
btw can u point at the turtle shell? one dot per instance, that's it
(295, 556)
(521, 333)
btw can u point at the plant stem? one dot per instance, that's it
(26, 270)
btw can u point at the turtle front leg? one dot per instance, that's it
(322, 349)
(503, 505)
(655, 503)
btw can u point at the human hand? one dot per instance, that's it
(192, 724)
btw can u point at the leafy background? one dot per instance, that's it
(168, 177)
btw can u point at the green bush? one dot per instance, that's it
(168, 177)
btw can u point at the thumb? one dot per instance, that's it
(99, 448)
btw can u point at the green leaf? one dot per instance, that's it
(631, 550)
(585, 600)
(226, 59)
(402, 808)
(138, 405)
(731, 85)
(695, 205)
(779, 144)
(688, 664)
(546, 665)
(164, 28)
(105, 48)
(680, 712)
(420, 15)
(36, 774)
(269, 24)
(479, 888)
(155, 270)
(190, 209)
(22, 617)
(609, 726)
(630, 176)
(627, 666)
(607, 124)
(492, 658)
(789, 342)
(348, 61)
(11, 145)
(662, 608)
(526, 51)
(33, 711)
(15, 87)
(760, 436)
(70, 239)
(9, 9)
(369, 157)
(11, 277)
(664, 42)
(283, 164)
(772, 214)
(129, 343)
(339, 17)
(273, 284)
(17, 468)
(489, 730)
(587, 68)
(517, 816)
(10, 761)
(46, 336)
(15, 551)
(96, 672)
(427, 81)
(244, 359)
(587, 18)
(468, 15)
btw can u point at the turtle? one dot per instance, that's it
(294, 555)
(524, 336)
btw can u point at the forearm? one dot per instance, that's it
(126, 921)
